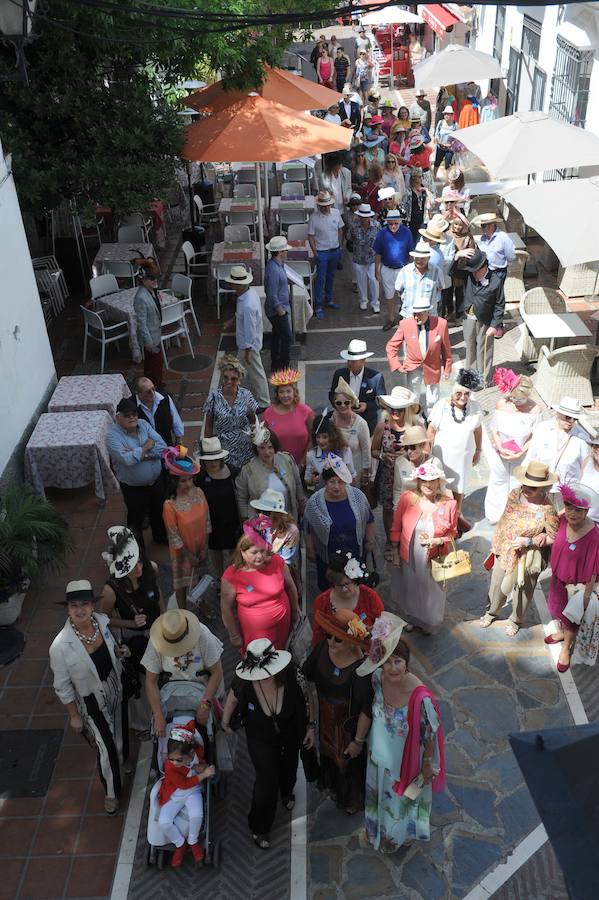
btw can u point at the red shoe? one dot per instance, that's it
(563, 668)
(551, 639)
(500, 333)
(197, 851)
(177, 857)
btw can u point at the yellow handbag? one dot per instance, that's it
(453, 564)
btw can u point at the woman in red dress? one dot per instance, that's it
(345, 574)
(258, 594)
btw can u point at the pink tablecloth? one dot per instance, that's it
(119, 308)
(68, 450)
(123, 251)
(78, 393)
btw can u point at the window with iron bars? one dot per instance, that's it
(569, 92)
(531, 38)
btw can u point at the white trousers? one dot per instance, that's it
(367, 285)
(192, 799)
(427, 394)
(256, 377)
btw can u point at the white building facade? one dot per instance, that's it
(549, 56)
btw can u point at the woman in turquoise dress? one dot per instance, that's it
(405, 762)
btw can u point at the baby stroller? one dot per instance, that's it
(180, 700)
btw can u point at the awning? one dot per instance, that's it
(439, 18)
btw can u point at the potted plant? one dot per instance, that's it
(34, 538)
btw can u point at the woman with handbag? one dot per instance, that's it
(269, 701)
(424, 523)
(344, 701)
(405, 762)
(348, 592)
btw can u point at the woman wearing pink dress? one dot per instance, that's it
(287, 417)
(258, 594)
(574, 560)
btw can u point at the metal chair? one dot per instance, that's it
(119, 269)
(97, 330)
(244, 191)
(297, 233)
(50, 264)
(237, 233)
(102, 285)
(292, 189)
(181, 286)
(131, 234)
(48, 290)
(174, 325)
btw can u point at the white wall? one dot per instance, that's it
(26, 364)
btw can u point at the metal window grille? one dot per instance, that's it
(513, 81)
(499, 32)
(531, 38)
(539, 80)
(569, 92)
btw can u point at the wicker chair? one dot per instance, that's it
(514, 283)
(565, 372)
(537, 301)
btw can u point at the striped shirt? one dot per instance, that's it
(410, 285)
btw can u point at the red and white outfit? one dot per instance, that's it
(428, 351)
(181, 788)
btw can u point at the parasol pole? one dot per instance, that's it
(260, 219)
(266, 187)
(392, 85)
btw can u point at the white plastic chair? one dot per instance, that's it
(305, 271)
(292, 188)
(207, 212)
(289, 217)
(237, 233)
(222, 272)
(102, 285)
(137, 219)
(174, 325)
(181, 286)
(196, 263)
(244, 190)
(250, 219)
(297, 233)
(131, 233)
(119, 269)
(50, 264)
(48, 289)
(97, 330)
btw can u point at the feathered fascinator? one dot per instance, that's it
(122, 555)
(259, 532)
(506, 380)
(569, 496)
(284, 377)
(470, 379)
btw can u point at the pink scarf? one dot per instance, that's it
(410, 763)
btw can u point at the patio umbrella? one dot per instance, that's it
(390, 15)
(265, 132)
(530, 142)
(454, 65)
(558, 766)
(563, 213)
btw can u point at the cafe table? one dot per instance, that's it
(123, 251)
(80, 393)
(119, 308)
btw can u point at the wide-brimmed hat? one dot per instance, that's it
(435, 230)
(343, 387)
(79, 592)
(334, 465)
(178, 462)
(211, 448)
(175, 632)
(384, 638)
(270, 501)
(487, 219)
(123, 554)
(324, 198)
(262, 660)
(535, 474)
(448, 109)
(476, 261)
(393, 215)
(376, 120)
(399, 398)
(344, 624)
(420, 93)
(579, 495)
(365, 211)
(277, 244)
(356, 349)
(258, 530)
(239, 275)
(385, 193)
(422, 304)
(347, 90)
(414, 434)
(284, 377)
(428, 471)
(569, 406)
(388, 104)
(421, 250)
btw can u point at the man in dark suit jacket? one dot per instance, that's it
(368, 384)
(349, 110)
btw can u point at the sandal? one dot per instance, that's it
(485, 621)
(389, 553)
(288, 802)
(511, 629)
(261, 841)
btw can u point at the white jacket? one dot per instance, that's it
(75, 675)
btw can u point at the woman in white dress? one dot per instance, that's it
(455, 432)
(560, 442)
(512, 426)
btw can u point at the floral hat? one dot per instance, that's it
(285, 376)
(384, 638)
(258, 530)
(345, 624)
(334, 465)
(505, 379)
(428, 471)
(178, 462)
(344, 561)
(123, 554)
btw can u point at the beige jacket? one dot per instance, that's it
(252, 481)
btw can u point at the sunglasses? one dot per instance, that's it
(337, 640)
(412, 446)
(342, 402)
(230, 378)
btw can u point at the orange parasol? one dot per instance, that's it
(279, 85)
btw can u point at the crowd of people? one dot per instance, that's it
(271, 478)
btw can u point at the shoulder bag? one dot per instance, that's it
(452, 565)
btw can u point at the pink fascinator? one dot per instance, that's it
(259, 532)
(506, 380)
(569, 496)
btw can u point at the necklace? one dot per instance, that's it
(273, 712)
(84, 637)
(453, 413)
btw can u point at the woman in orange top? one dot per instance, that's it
(345, 575)
(185, 516)
(423, 523)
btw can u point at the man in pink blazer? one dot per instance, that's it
(427, 352)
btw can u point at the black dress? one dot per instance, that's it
(273, 744)
(342, 694)
(222, 503)
(144, 599)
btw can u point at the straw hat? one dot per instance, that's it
(270, 501)
(178, 462)
(487, 219)
(277, 244)
(324, 198)
(414, 434)
(385, 636)
(388, 104)
(175, 632)
(239, 275)
(535, 474)
(262, 661)
(434, 231)
(211, 448)
(344, 389)
(569, 406)
(356, 349)
(344, 624)
(399, 398)
(364, 211)
(393, 215)
(123, 554)
(421, 250)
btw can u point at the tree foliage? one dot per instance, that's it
(96, 122)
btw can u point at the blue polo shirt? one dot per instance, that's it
(393, 248)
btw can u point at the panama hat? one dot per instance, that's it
(393, 215)
(448, 109)
(364, 211)
(385, 636)
(435, 230)
(356, 349)
(420, 93)
(123, 554)
(79, 592)
(211, 448)
(178, 462)
(421, 304)
(270, 501)
(324, 198)
(399, 398)
(487, 219)
(414, 434)
(535, 474)
(344, 388)
(239, 275)
(385, 193)
(262, 660)
(277, 244)
(421, 250)
(347, 90)
(175, 632)
(568, 406)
